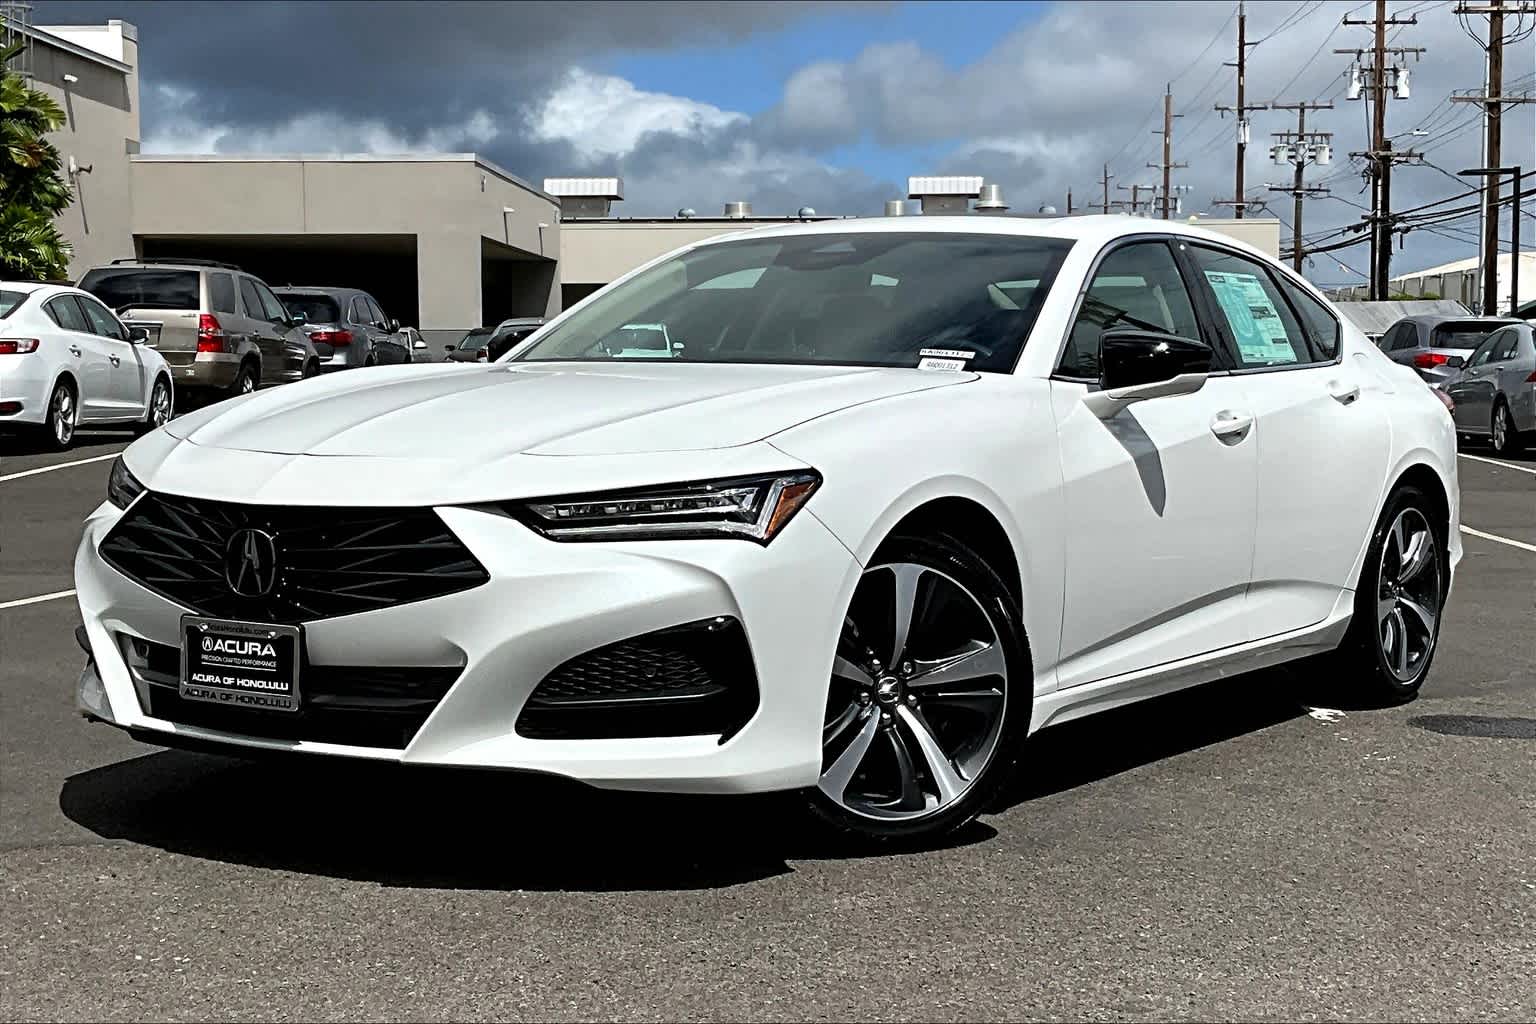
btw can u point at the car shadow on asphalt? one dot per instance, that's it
(14, 444)
(446, 828)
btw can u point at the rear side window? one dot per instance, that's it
(221, 293)
(1321, 328)
(130, 287)
(65, 311)
(360, 311)
(251, 300)
(1137, 285)
(9, 301)
(1258, 321)
(317, 309)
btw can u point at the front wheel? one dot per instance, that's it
(930, 695)
(1506, 439)
(1396, 624)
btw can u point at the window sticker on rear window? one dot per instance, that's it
(1256, 323)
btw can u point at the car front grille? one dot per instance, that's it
(329, 561)
(361, 706)
(690, 680)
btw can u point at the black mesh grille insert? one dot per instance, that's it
(690, 680)
(358, 705)
(330, 561)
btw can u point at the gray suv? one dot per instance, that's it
(351, 322)
(221, 330)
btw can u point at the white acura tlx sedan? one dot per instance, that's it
(897, 494)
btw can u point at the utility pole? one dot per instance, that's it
(1168, 166)
(1103, 207)
(1493, 101)
(1299, 148)
(1238, 200)
(1136, 191)
(1380, 156)
(1069, 201)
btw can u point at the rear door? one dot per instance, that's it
(125, 391)
(84, 356)
(1473, 391)
(1320, 421)
(386, 344)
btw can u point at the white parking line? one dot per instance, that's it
(1474, 458)
(45, 597)
(60, 465)
(1501, 540)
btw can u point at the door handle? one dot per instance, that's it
(116, 360)
(1231, 427)
(1343, 393)
(74, 350)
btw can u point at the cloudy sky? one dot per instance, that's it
(830, 105)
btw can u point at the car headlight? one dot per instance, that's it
(122, 487)
(749, 508)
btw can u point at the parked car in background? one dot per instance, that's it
(221, 330)
(350, 321)
(66, 360)
(417, 350)
(1526, 312)
(1427, 343)
(1495, 392)
(488, 344)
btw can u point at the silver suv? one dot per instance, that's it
(221, 330)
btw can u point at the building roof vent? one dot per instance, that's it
(686, 213)
(738, 210)
(991, 199)
(895, 208)
(806, 212)
(585, 197)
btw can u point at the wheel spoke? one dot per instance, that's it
(907, 577)
(912, 798)
(1421, 547)
(1424, 615)
(946, 779)
(835, 728)
(1398, 541)
(976, 660)
(1400, 647)
(976, 700)
(834, 781)
(1384, 607)
(845, 669)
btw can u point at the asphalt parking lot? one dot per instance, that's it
(1233, 852)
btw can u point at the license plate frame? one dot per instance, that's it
(239, 664)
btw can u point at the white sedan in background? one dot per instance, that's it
(68, 361)
(905, 491)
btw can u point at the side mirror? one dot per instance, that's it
(450, 348)
(419, 343)
(1456, 362)
(1136, 365)
(392, 325)
(138, 335)
(297, 319)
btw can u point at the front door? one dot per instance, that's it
(1159, 498)
(125, 385)
(267, 332)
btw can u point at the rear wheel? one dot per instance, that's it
(311, 369)
(930, 694)
(245, 381)
(1506, 439)
(62, 417)
(1391, 641)
(159, 412)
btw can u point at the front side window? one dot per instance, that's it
(1321, 328)
(1490, 350)
(375, 314)
(102, 322)
(250, 299)
(1136, 285)
(1509, 346)
(1257, 321)
(861, 299)
(65, 311)
(272, 308)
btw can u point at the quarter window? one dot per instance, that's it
(1137, 285)
(1256, 320)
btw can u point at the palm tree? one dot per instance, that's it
(32, 193)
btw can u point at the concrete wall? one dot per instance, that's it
(1262, 233)
(101, 131)
(600, 251)
(450, 203)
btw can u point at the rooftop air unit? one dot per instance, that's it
(585, 197)
(991, 200)
(738, 210)
(945, 193)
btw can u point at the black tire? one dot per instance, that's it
(245, 381)
(1367, 657)
(957, 567)
(161, 406)
(58, 430)
(311, 369)
(1502, 434)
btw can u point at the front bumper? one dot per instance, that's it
(545, 603)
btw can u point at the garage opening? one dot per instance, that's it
(513, 282)
(382, 265)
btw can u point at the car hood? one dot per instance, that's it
(459, 412)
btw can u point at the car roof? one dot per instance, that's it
(320, 289)
(42, 288)
(520, 321)
(1431, 319)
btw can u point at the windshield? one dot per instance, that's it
(144, 289)
(475, 340)
(9, 301)
(1462, 335)
(316, 309)
(864, 299)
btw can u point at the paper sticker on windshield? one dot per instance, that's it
(930, 363)
(948, 353)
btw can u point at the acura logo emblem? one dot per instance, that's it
(250, 563)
